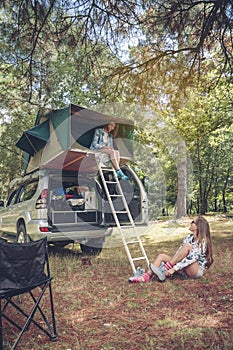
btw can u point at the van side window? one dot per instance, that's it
(12, 198)
(28, 191)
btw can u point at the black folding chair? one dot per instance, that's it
(24, 269)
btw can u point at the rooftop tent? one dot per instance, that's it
(76, 123)
(60, 120)
(34, 139)
(62, 136)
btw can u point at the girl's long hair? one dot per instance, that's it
(204, 238)
(115, 131)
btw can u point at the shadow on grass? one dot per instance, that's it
(65, 251)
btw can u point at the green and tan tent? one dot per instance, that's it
(61, 139)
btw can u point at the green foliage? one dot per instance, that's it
(48, 71)
(206, 124)
(200, 111)
(11, 158)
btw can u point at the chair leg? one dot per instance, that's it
(54, 337)
(1, 339)
(50, 331)
(52, 328)
(30, 319)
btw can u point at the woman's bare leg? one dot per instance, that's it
(161, 258)
(114, 156)
(158, 261)
(192, 270)
(117, 156)
(179, 255)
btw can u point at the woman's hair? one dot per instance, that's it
(115, 131)
(204, 238)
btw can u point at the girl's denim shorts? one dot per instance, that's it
(199, 274)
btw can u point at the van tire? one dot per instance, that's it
(22, 236)
(88, 250)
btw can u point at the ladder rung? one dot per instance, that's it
(108, 169)
(121, 212)
(111, 182)
(141, 258)
(127, 226)
(132, 242)
(116, 195)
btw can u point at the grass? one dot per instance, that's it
(97, 309)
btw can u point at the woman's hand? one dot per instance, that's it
(170, 272)
(106, 148)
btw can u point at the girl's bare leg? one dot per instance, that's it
(114, 156)
(160, 258)
(117, 156)
(192, 270)
(179, 255)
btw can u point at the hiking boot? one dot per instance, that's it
(141, 279)
(139, 272)
(159, 272)
(121, 175)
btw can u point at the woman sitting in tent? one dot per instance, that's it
(103, 142)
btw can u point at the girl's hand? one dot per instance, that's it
(170, 272)
(106, 148)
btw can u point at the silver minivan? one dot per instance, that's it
(67, 206)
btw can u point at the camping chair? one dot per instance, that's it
(24, 269)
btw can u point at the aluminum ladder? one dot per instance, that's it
(136, 241)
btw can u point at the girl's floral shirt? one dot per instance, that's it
(198, 253)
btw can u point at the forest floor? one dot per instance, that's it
(98, 309)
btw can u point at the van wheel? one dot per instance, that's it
(88, 250)
(22, 236)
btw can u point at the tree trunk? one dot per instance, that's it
(204, 206)
(182, 181)
(224, 191)
(182, 156)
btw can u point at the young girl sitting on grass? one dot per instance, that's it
(191, 259)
